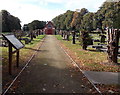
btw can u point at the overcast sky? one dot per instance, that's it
(46, 10)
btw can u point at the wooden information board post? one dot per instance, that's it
(15, 43)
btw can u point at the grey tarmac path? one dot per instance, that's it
(50, 71)
(103, 77)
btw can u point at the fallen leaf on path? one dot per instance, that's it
(74, 65)
(44, 89)
(82, 86)
(73, 91)
(90, 90)
(110, 91)
(45, 64)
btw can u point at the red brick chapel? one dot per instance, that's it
(49, 28)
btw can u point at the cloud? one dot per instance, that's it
(91, 5)
(55, 1)
(29, 10)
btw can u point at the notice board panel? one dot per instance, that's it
(14, 41)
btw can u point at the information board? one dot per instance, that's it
(14, 41)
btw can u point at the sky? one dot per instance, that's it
(45, 10)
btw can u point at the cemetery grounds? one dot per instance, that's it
(91, 60)
(87, 60)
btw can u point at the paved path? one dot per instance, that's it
(103, 77)
(50, 72)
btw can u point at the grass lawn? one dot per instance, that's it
(87, 60)
(25, 53)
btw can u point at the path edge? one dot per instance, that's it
(73, 62)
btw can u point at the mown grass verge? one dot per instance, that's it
(25, 52)
(88, 60)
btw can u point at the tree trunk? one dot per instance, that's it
(61, 33)
(83, 40)
(113, 40)
(31, 35)
(84, 47)
(68, 34)
(73, 38)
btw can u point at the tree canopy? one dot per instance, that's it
(9, 22)
(63, 21)
(108, 15)
(36, 24)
